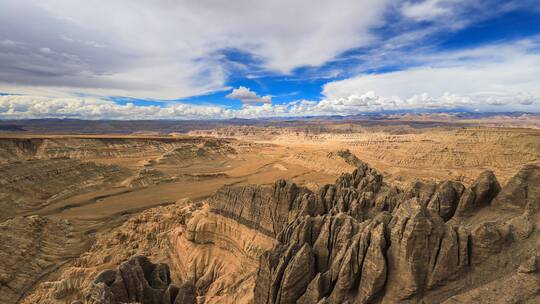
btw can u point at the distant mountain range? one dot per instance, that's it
(413, 119)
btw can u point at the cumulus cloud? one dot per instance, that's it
(247, 96)
(493, 75)
(25, 106)
(168, 49)
(20, 107)
(164, 50)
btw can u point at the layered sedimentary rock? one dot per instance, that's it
(31, 247)
(359, 240)
(86, 147)
(187, 153)
(144, 234)
(30, 184)
(219, 255)
(138, 280)
(248, 205)
(334, 162)
(215, 254)
(363, 241)
(148, 177)
(406, 150)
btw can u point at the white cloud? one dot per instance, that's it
(247, 96)
(495, 75)
(20, 107)
(426, 10)
(166, 49)
(25, 106)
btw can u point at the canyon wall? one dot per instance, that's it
(359, 240)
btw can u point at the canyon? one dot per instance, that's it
(336, 213)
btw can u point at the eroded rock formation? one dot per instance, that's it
(31, 184)
(359, 240)
(363, 241)
(12, 149)
(30, 247)
(139, 281)
(215, 254)
(187, 153)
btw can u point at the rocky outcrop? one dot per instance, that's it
(363, 241)
(520, 286)
(250, 206)
(446, 199)
(479, 194)
(359, 240)
(522, 191)
(139, 281)
(348, 157)
(361, 195)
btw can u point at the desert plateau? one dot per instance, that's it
(309, 212)
(270, 152)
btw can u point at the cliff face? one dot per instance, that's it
(359, 240)
(13, 149)
(35, 172)
(362, 241)
(215, 256)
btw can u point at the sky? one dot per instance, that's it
(215, 59)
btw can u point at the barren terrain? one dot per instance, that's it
(406, 155)
(220, 205)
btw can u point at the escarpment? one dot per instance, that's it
(30, 184)
(364, 241)
(360, 240)
(171, 150)
(250, 206)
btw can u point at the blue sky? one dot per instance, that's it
(186, 60)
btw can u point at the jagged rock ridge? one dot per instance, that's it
(139, 281)
(363, 241)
